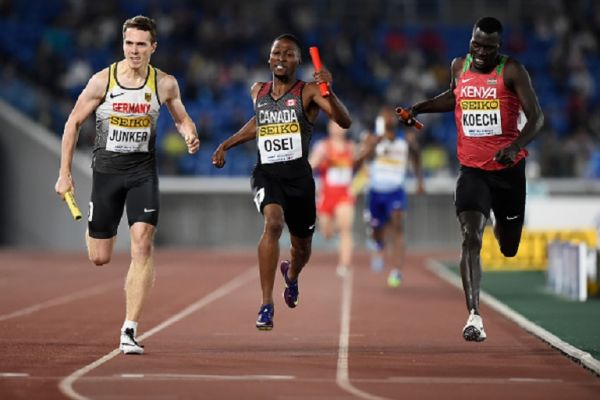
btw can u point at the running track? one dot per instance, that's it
(350, 338)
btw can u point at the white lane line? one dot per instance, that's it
(66, 385)
(466, 380)
(57, 301)
(209, 377)
(80, 294)
(585, 358)
(13, 375)
(342, 378)
(132, 376)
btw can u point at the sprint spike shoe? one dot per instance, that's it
(265, 317)
(128, 343)
(291, 292)
(473, 330)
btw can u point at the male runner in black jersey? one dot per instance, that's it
(282, 181)
(126, 98)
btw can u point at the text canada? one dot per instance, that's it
(277, 116)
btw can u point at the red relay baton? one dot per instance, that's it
(404, 115)
(316, 60)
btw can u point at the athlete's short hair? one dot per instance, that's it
(143, 24)
(291, 38)
(489, 25)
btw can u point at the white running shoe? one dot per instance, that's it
(473, 330)
(128, 343)
(341, 270)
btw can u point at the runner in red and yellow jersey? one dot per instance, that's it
(333, 158)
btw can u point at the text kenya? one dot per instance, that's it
(478, 92)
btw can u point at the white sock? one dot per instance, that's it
(130, 324)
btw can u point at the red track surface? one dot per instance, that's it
(59, 314)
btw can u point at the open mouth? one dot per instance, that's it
(480, 62)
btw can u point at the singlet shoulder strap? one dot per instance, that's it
(296, 90)
(112, 76)
(265, 89)
(152, 81)
(501, 64)
(467, 63)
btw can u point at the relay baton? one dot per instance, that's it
(405, 115)
(70, 199)
(316, 60)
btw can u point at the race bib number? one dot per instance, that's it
(128, 134)
(339, 176)
(388, 172)
(481, 118)
(279, 142)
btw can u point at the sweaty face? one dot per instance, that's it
(484, 49)
(137, 47)
(284, 58)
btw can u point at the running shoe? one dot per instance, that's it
(394, 278)
(341, 270)
(377, 263)
(128, 343)
(265, 317)
(291, 292)
(473, 330)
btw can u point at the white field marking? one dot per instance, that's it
(585, 358)
(13, 375)
(342, 376)
(208, 377)
(80, 294)
(466, 380)
(57, 301)
(66, 385)
(132, 376)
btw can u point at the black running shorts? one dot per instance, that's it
(296, 197)
(112, 192)
(502, 191)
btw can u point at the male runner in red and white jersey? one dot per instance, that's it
(333, 158)
(487, 92)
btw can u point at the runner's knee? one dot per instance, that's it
(303, 252)
(141, 249)
(472, 237)
(99, 259)
(274, 226)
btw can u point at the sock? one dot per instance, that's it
(130, 324)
